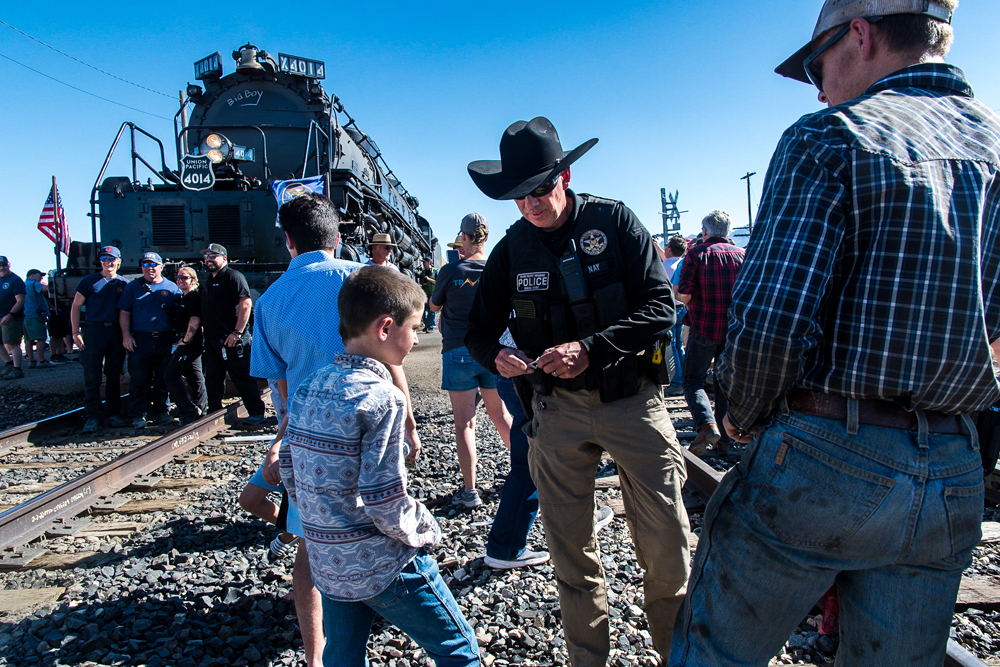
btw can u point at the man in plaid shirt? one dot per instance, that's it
(706, 288)
(853, 367)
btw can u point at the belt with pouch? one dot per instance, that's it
(872, 411)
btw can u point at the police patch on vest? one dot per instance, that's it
(533, 282)
(594, 242)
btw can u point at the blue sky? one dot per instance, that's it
(681, 95)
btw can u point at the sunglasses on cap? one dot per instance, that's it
(543, 189)
(149, 263)
(816, 75)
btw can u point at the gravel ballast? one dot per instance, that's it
(191, 586)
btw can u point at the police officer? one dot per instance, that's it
(100, 340)
(589, 296)
(225, 318)
(145, 312)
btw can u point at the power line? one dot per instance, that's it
(113, 76)
(81, 89)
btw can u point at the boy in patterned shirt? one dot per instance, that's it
(344, 469)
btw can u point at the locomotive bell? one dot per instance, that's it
(247, 58)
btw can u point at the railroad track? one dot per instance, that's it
(706, 479)
(55, 512)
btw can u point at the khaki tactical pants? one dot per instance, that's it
(569, 431)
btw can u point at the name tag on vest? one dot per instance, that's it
(533, 282)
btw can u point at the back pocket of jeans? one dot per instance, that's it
(964, 505)
(812, 499)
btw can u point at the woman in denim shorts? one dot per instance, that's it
(461, 377)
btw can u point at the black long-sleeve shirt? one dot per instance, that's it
(647, 288)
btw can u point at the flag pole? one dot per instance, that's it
(58, 228)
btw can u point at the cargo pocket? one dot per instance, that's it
(812, 499)
(964, 505)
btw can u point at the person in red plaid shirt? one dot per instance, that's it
(706, 288)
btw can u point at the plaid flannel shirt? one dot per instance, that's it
(708, 274)
(874, 267)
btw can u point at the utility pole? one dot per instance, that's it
(749, 207)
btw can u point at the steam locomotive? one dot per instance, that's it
(266, 130)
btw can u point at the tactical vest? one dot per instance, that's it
(545, 312)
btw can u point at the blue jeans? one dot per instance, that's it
(700, 354)
(678, 345)
(519, 499)
(417, 602)
(430, 317)
(891, 516)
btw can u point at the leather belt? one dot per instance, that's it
(154, 334)
(101, 324)
(580, 382)
(873, 411)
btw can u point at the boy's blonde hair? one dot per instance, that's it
(374, 291)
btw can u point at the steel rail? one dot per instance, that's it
(31, 433)
(29, 520)
(706, 480)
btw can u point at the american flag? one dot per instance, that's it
(52, 221)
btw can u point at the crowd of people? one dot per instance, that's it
(850, 368)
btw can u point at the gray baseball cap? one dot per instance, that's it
(473, 223)
(840, 12)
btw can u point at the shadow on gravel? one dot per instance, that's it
(159, 629)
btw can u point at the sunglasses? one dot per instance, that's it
(147, 265)
(543, 189)
(211, 255)
(815, 75)
(108, 258)
(183, 278)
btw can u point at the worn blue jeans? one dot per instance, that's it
(678, 345)
(519, 499)
(698, 357)
(891, 516)
(417, 602)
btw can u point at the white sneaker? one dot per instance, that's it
(467, 498)
(604, 517)
(525, 559)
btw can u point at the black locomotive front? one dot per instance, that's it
(236, 135)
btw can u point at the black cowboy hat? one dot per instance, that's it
(530, 155)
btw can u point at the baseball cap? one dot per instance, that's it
(110, 250)
(152, 257)
(472, 223)
(216, 248)
(840, 12)
(3, 260)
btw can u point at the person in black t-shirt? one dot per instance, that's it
(225, 318)
(185, 362)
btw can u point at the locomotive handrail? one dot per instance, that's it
(263, 139)
(114, 145)
(309, 135)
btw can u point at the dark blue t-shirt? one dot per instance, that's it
(101, 296)
(10, 287)
(454, 291)
(151, 304)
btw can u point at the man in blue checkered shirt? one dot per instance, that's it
(857, 355)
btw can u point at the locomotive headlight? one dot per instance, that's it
(219, 149)
(216, 147)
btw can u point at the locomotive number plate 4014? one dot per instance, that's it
(196, 172)
(313, 69)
